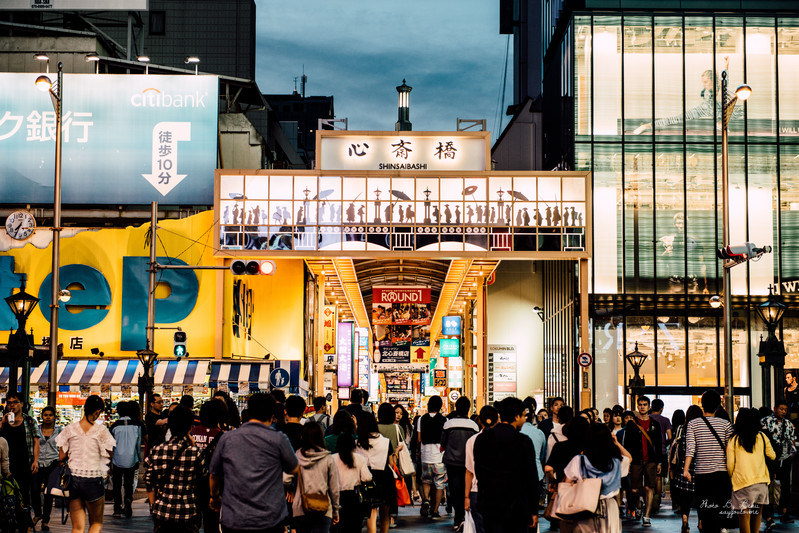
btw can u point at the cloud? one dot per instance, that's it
(450, 52)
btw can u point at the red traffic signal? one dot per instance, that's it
(241, 267)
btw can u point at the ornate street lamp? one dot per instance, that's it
(636, 360)
(147, 358)
(772, 350)
(20, 344)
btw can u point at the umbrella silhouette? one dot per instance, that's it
(237, 196)
(519, 196)
(469, 190)
(323, 194)
(401, 195)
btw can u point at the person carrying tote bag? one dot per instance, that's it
(605, 461)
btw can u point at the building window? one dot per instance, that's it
(157, 23)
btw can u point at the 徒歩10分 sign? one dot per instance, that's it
(126, 139)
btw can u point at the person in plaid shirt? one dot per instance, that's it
(171, 472)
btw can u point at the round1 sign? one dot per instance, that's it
(454, 395)
(585, 360)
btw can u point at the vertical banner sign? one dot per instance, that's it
(344, 351)
(455, 372)
(363, 358)
(356, 357)
(329, 341)
(501, 371)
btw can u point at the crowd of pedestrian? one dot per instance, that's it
(284, 467)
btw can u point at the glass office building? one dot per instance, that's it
(641, 92)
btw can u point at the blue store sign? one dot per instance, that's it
(126, 139)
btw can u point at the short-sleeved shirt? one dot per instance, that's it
(88, 451)
(251, 461)
(203, 436)
(430, 427)
(708, 455)
(155, 434)
(665, 425)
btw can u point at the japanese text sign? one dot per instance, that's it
(358, 150)
(126, 139)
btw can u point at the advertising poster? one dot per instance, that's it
(166, 124)
(455, 373)
(440, 377)
(401, 335)
(421, 336)
(393, 355)
(401, 306)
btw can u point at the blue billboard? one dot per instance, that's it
(127, 139)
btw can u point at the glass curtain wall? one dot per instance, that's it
(647, 122)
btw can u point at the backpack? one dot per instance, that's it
(128, 437)
(322, 420)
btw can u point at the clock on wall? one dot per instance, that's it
(20, 225)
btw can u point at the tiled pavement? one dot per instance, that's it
(409, 520)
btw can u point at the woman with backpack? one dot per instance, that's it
(128, 436)
(380, 456)
(315, 505)
(353, 470)
(746, 463)
(682, 488)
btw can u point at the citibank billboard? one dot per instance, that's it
(126, 139)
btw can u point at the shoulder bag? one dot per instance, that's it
(312, 502)
(578, 500)
(59, 480)
(404, 460)
(713, 431)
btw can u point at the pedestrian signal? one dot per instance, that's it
(179, 348)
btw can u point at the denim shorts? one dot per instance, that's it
(89, 489)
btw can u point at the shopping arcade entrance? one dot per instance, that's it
(425, 209)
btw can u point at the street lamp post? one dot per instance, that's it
(772, 350)
(57, 96)
(742, 93)
(636, 360)
(20, 344)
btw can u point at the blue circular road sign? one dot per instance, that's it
(279, 378)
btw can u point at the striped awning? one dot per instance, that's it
(181, 372)
(117, 372)
(237, 372)
(256, 375)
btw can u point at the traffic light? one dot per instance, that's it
(179, 348)
(742, 252)
(241, 267)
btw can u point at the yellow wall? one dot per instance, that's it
(277, 300)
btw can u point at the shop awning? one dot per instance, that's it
(238, 372)
(118, 372)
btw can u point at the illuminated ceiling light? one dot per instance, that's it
(91, 57)
(41, 57)
(143, 59)
(191, 59)
(743, 92)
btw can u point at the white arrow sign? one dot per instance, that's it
(164, 176)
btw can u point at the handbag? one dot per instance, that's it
(59, 480)
(367, 494)
(578, 500)
(403, 498)
(406, 467)
(312, 502)
(549, 512)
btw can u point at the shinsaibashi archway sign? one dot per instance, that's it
(415, 193)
